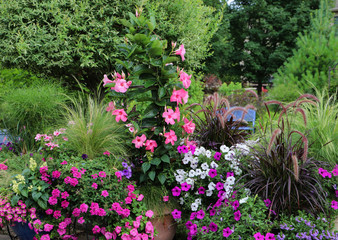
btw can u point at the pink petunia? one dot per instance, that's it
(84, 207)
(81, 220)
(176, 214)
(334, 204)
(165, 198)
(94, 185)
(237, 215)
(270, 236)
(259, 236)
(96, 229)
(212, 173)
(48, 227)
(102, 174)
(227, 232)
(149, 214)
(176, 191)
(104, 193)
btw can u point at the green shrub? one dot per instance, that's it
(28, 111)
(317, 50)
(92, 130)
(228, 89)
(285, 93)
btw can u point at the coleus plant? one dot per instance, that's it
(147, 97)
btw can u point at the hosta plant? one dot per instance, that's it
(280, 168)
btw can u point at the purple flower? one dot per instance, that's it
(259, 236)
(192, 215)
(227, 232)
(200, 214)
(176, 214)
(84, 156)
(176, 191)
(213, 227)
(185, 186)
(270, 236)
(201, 190)
(217, 156)
(235, 204)
(267, 202)
(124, 164)
(230, 174)
(219, 186)
(188, 224)
(212, 173)
(237, 215)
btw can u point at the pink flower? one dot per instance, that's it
(94, 185)
(49, 211)
(185, 186)
(139, 141)
(106, 153)
(170, 116)
(84, 207)
(165, 198)
(96, 229)
(104, 193)
(149, 227)
(201, 190)
(176, 191)
(213, 227)
(259, 236)
(131, 188)
(56, 193)
(118, 229)
(185, 79)
(149, 214)
(64, 163)
(140, 197)
(106, 80)
(180, 51)
(270, 236)
(237, 215)
(120, 115)
(188, 126)
(212, 173)
(110, 235)
(48, 227)
(81, 220)
(45, 237)
(170, 137)
(52, 201)
(121, 85)
(111, 107)
(57, 214)
(200, 214)
(227, 232)
(150, 145)
(102, 174)
(64, 204)
(64, 195)
(334, 204)
(128, 200)
(76, 212)
(134, 232)
(179, 95)
(3, 167)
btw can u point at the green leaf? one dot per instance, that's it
(161, 92)
(170, 60)
(24, 192)
(149, 83)
(44, 197)
(152, 175)
(141, 39)
(36, 195)
(26, 172)
(42, 204)
(124, 64)
(161, 103)
(156, 48)
(151, 111)
(14, 200)
(165, 158)
(126, 23)
(162, 177)
(145, 166)
(156, 161)
(132, 51)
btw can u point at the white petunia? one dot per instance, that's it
(208, 193)
(224, 149)
(194, 207)
(211, 186)
(213, 165)
(185, 160)
(203, 175)
(205, 166)
(231, 180)
(229, 156)
(208, 153)
(190, 181)
(198, 172)
(181, 201)
(180, 178)
(192, 173)
(188, 155)
(198, 201)
(243, 200)
(202, 149)
(193, 165)
(197, 152)
(238, 171)
(180, 171)
(195, 160)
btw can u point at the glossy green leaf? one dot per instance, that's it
(42, 204)
(170, 60)
(156, 161)
(36, 195)
(156, 48)
(162, 178)
(14, 200)
(145, 166)
(152, 175)
(24, 192)
(149, 83)
(165, 158)
(161, 92)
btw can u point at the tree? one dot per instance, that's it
(263, 34)
(61, 38)
(317, 51)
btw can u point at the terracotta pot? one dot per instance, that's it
(165, 226)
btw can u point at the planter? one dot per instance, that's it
(22, 231)
(165, 226)
(335, 228)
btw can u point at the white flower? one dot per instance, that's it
(229, 156)
(208, 193)
(224, 149)
(202, 150)
(243, 200)
(186, 160)
(211, 186)
(231, 180)
(193, 165)
(195, 160)
(192, 173)
(198, 201)
(194, 207)
(208, 153)
(213, 165)
(197, 152)
(180, 178)
(238, 171)
(205, 166)
(203, 175)
(181, 201)
(190, 181)
(180, 171)
(188, 155)
(198, 172)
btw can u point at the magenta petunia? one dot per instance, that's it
(201, 190)
(259, 236)
(270, 236)
(176, 191)
(185, 186)
(212, 173)
(237, 215)
(235, 204)
(200, 214)
(334, 204)
(217, 156)
(213, 227)
(176, 214)
(227, 232)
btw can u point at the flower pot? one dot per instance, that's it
(22, 231)
(165, 226)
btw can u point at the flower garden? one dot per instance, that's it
(140, 156)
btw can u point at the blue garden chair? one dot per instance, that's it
(249, 117)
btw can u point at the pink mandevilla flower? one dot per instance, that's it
(179, 95)
(139, 141)
(150, 145)
(185, 79)
(188, 126)
(170, 137)
(181, 51)
(120, 115)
